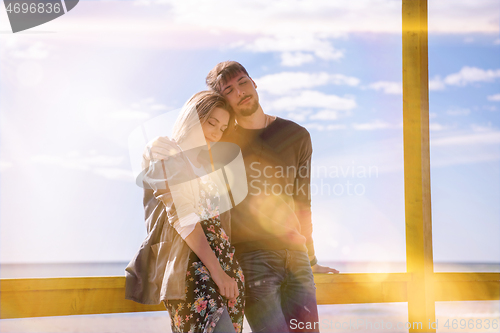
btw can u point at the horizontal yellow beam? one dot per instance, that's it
(447, 277)
(21, 298)
(361, 288)
(466, 286)
(67, 302)
(39, 284)
(350, 293)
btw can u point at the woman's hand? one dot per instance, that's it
(160, 148)
(198, 242)
(227, 285)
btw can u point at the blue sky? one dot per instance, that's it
(72, 90)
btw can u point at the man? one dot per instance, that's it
(271, 227)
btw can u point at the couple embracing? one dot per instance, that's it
(209, 266)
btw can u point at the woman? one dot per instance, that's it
(187, 261)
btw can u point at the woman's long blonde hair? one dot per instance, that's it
(196, 111)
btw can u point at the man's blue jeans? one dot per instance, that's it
(280, 295)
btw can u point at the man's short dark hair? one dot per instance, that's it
(222, 73)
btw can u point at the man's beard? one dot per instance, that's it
(250, 110)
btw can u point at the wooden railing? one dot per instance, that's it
(21, 298)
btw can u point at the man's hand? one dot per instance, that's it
(160, 148)
(323, 269)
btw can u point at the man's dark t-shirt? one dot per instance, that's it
(276, 214)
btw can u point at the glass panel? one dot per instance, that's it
(71, 99)
(464, 72)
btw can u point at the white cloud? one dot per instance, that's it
(387, 87)
(62, 161)
(295, 16)
(481, 128)
(465, 155)
(30, 73)
(432, 115)
(436, 84)
(477, 146)
(379, 124)
(336, 127)
(4, 165)
(497, 41)
(158, 107)
(322, 127)
(312, 99)
(77, 158)
(437, 127)
(494, 98)
(143, 2)
(115, 173)
(315, 126)
(465, 76)
(292, 16)
(137, 111)
(103, 165)
(468, 40)
(469, 75)
(21, 49)
(491, 137)
(340, 79)
(128, 115)
(292, 48)
(325, 115)
(298, 116)
(37, 50)
(286, 82)
(457, 16)
(148, 100)
(374, 125)
(290, 59)
(150, 103)
(458, 112)
(202, 24)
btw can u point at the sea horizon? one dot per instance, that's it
(82, 269)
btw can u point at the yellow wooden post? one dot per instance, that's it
(419, 259)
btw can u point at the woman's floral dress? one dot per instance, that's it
(204, 305)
